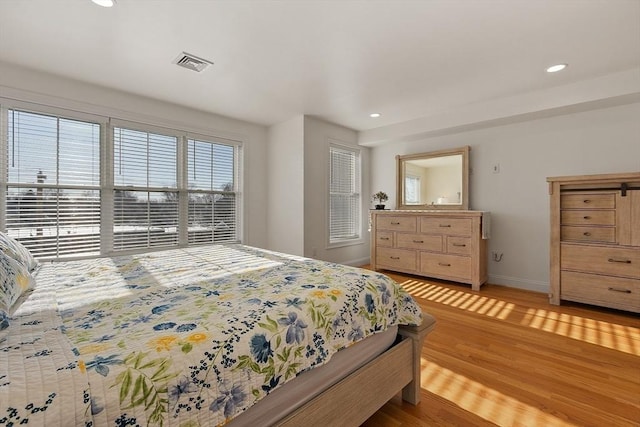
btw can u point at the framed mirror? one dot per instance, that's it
(434, 180)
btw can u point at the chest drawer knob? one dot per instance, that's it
(444, 264)
(395, 223)
(624, 291)
(445, 225)
(384, 238)
(394, 257)
(586, 233)
(461, 245)
(418, 241)
(586, 217)
(587, 201)
(622, 261)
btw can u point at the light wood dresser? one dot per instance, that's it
(443, 244)
(595, 240)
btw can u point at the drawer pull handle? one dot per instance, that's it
(587, 201)
(444, 264)
(384, 238)
(445, 225)
(395, 223)
(418, 241)
(586, 233)
(461, 245)
(623, 261)
(394, 257)
(624, 291)
(586, 217)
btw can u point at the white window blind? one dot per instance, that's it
(161, 188)
(412, 189)
(53, 184)
(212, 186)
(145, 189)
(344, 194)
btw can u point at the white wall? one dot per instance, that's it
(443, 182)
(317, 136)
(50, 90)
(285, 213)
(298, 190)
(598, 141)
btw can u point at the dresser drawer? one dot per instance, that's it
(601, 259)
(588, 234)
(396, 223)
(587, 217)
(439, 265)
(451, 226)
(588, 201)
(419, 241)
(459, 245)
(384, 238)
(396, 259)
(614, 292)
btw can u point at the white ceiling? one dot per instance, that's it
(336, 60)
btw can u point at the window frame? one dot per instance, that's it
(6, 185)
(235, 187)
(107, 181)
(358, 238)
(418, 180)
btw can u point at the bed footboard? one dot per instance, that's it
(417, 334)
(358, 396)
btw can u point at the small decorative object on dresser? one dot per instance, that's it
(449, 245)
(595, 240)
(381, 197)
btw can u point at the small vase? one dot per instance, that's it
(380, 207)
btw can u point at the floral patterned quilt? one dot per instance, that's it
(184, 337)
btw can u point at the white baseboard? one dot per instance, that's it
(357, 262)
(515, 282)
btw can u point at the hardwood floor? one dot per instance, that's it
(506, 357)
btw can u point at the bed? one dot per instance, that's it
(206, 336)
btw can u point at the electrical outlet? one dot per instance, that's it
(496, 168)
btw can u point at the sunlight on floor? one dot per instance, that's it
(605, 334)
(616, 337)
(456, 298)
(483, 401)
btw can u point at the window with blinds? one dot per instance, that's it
(66, 190)
(344, 194)
(53, 184)
(412, 189)
(211, 191)
(145, 194)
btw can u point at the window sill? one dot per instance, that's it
(345, 243)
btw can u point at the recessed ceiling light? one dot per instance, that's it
(375, 115)
(104, 3)
(556, 68)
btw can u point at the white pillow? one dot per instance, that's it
(15, 280)
(17, 251)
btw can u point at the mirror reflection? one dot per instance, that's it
(435, 180)
(432, 181)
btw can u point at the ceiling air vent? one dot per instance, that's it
(191, 62)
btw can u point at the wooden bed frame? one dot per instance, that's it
(359, 395)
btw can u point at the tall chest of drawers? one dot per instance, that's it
(595, 240)
(442, 244)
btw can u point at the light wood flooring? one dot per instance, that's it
(506, 357)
